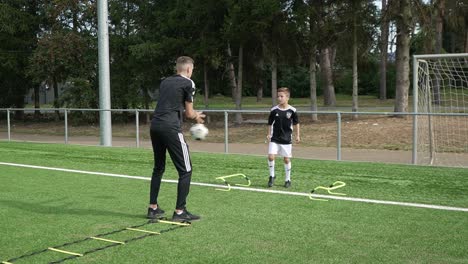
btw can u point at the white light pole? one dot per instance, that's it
(105, 124)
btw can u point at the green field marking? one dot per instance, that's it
(339, 184)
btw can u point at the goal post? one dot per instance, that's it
(440, 105)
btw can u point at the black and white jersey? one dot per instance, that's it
(281, 122)
(174, 91)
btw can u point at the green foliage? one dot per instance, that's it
(56, 41)
(368, 79)
(17, 39)
(58, 55)
(79, 93)
(296, 79)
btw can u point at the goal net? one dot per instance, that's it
(441, 103)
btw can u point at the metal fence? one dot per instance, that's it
(225, 123)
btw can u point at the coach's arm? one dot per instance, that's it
(190, 113)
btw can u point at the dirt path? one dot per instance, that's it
(299, 151)
(319, 153)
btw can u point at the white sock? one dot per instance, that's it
(287, 170)
(271, 165)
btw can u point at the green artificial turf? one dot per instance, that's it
(43, 208)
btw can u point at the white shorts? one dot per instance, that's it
(284, 150)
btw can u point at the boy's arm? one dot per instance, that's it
(269, 133)
(298, 132)
(270, 122)
(297, 126)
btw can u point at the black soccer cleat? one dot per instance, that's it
(287, 184)
(185, 216)
(271, 180)
(157, 213)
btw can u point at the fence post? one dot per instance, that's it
(338, 136)
(8, 124)
(226, 134)
(66, 125)
(137, 123)
(415, 110)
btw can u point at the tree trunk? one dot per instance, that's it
(383, 52)
(274, 79)
(207, 84)
(239, 85)
(75, 13)
(313, 83)
(37, 103)
(466, 40)
(403, 24)
(439, 24)
(440, 14)
(260, 84)
(231, 73)
(56, 102)
(329, 98)
(260, 81)
(147, 100)
(332, 54)
(313, 61)
(355, 70)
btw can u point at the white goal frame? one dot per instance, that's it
(427, 114)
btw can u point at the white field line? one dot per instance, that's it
(430, 206)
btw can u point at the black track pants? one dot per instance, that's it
(174, 143)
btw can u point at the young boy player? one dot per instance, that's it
(280, 128)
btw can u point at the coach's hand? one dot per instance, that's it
(200, 117)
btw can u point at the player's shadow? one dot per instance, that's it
(45, 207)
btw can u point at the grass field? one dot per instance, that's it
(248, 102)
(43, 208)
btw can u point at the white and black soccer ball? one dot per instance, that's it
(199, 131)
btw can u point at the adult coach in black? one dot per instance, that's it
(175, 100)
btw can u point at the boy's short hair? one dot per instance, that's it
(182, 62)
(284, 90)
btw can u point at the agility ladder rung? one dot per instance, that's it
(66, 252)
(173, 223)
(107, 240)
(141, 230)
(6, 262)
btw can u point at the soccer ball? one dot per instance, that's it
(199, 131)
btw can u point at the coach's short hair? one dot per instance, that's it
(182, 62)
(284, 90)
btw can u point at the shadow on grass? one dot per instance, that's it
(41, 207)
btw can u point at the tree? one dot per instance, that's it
(56, 57)
(122, 35)
(330, 14)
(356, 6)
(18, 29)
(384, 20)
(241, 25)
(455, 35)
(305, 19)
(64, 46)
(208, 18)
(404, 25)
(277, 40)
